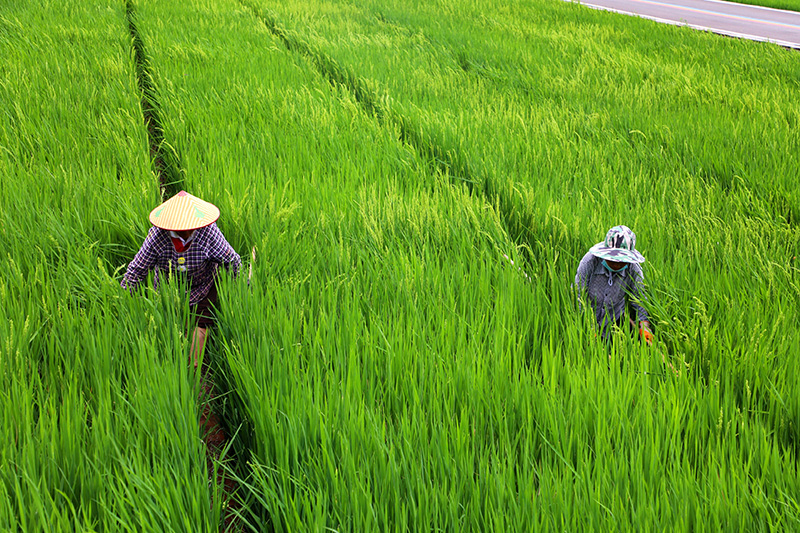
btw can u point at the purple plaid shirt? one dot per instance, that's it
(208, 250)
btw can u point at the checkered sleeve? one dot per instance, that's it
(221, 252)
(146, 258)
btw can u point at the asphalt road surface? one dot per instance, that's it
(727, 18)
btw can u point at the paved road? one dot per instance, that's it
(726, 18)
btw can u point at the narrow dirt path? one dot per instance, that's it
(165, 161)
(167, 168)
(216, 439)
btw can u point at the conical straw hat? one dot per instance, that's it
(184, 212)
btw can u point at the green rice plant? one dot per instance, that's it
(99, 425)
(324, 134)
(606, 173)
(578, 129)
(391, 371)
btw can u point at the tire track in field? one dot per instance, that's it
(166, 165)
(165, 161)
(448, 161)
(778, 202)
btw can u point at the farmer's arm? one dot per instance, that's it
(145, 259)
(582, 277)
(638, 296)
(585, 269)
(222, 252)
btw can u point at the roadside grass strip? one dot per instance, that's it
(701, 204)
(98, 424)
(789, 5)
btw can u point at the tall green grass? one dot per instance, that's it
(573, 127)
(391, 371)
(569, 142)
(789, 5)
(98, 426)
(387, 368)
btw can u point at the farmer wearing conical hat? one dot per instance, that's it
(185, 239)
(610, 275)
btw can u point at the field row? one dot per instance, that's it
(99, 424)
(565, 180)
(387, 368)
(358, 358)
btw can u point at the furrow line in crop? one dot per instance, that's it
(165, 161)
(507, 73)
(443, 159)
(222, 466)
(460, 56)
(167, 167)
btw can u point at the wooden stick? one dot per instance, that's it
(253, 260)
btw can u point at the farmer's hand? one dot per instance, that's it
(645, 333)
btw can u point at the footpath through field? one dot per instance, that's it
(99, 426)
(756, 23)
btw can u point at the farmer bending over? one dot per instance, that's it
(185, 238)
(609, 274)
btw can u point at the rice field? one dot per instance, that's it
(98, 424)
(387, 368)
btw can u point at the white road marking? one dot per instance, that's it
(720, 31)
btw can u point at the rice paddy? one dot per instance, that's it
(387, 368)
